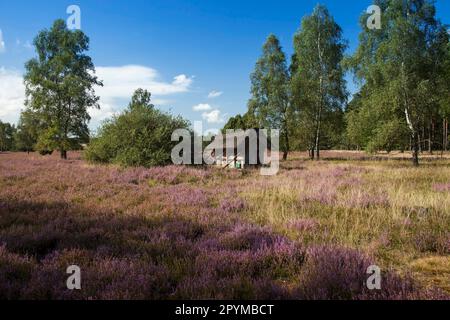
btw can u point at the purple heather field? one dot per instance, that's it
(204, 233)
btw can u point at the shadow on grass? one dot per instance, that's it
(171, 256)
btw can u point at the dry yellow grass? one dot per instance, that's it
(388, 209)
(433, 270)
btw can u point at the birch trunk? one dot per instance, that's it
(320, 97)
(414, 139)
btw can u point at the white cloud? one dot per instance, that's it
(214, 94)
(12, 95)
(106, 111)
(201, 107)
(119, 83)
(2, 42)
(213, 116)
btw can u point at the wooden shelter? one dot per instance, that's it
(240, 149)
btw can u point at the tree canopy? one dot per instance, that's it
(7, 132)
(401, 68)
(140, 136)
(319, 88)
(60, 87)
(270, 102)
(28, 130)
(402, 101)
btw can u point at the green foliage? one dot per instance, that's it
(373, 126)
(400, 67)
(270, 102)
(358, 124)
(247, 121)
(388, 136)
(140, 136)
(7, 132)
(318, 83)
(60, 86)
(403, 70)
(28, 130)
(443, 84)
(46, 141)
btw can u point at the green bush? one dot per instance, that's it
(140, 136)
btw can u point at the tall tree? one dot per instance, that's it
(270, 101)
(60, 85)
(318, 78)
(399, 65)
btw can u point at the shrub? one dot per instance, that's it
(140, 136)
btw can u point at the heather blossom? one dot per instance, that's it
(441, 187)
(186, 235)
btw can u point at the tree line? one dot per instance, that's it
(402, 103)
(403, 72)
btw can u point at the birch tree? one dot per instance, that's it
(399, 65)
(318, 83)
(60, 86)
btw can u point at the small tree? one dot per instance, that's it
(140, 136)
(60, 86)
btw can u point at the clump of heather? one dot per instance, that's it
(235, 287)
(335, 273)
(247, 237)
(441, 187)
(248, 273)
(15, 273)
(323, 186)
(178, 174)
(232, 204)
(434, 241)
(161, 175)
(394, 287)
(129, 175)
(325, 194)
(179, 195)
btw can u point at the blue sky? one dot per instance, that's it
(180, 50)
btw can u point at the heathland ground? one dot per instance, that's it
(185, 232)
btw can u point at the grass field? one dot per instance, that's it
(184, 233)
